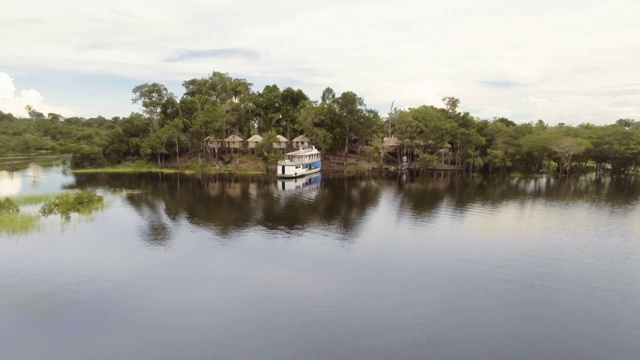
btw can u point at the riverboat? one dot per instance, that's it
(301, 162)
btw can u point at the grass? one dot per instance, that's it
(129, 168)
(13, 221)
(32, 199)
(126, 169)
(16, 223)
(350, 170)
(239, 164)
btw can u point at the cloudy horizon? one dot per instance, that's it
(570, 61)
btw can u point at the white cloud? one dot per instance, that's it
(491, 55)
(10, 103)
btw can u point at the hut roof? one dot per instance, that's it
(256, 138)
(301, 138)
(390, 141)
(211, 138)
(233, 138)
(281, 138)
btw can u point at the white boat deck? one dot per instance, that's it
(299, 157)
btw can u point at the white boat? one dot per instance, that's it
(300, 163)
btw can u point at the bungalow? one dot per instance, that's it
(281, 143)
(234, 142)
(253, 141)
(301, 142)
(212, 143)
(445, 152)
(390, 143)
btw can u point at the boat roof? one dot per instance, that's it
(305, 151)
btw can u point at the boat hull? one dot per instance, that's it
(295, 173)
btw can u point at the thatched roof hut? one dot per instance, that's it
(234, 142)
(253, 141)
(390, 143)
(281, 143)
(213, 143)
(300, 142)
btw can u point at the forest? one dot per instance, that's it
(170, 129)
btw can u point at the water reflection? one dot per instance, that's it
(229, 203)
(32, 175)
(517, 268)
(10, 183)
(309, 184)
(155, 228)
(225, 203)
(424, 195)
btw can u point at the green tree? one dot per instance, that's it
(328, 95)
(351, 110)
(151, 97)
(266, 149)
(269, 108)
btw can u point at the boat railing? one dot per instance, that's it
(296, 161)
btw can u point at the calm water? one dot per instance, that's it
(433, 267)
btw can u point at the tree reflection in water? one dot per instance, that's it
(228, 203)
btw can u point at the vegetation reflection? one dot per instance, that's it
(229, 203)
(424, 195)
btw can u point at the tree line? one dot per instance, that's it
(218, 105)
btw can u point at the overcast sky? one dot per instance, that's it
(560, 61)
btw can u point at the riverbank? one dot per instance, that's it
(239, 164)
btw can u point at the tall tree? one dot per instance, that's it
(269, 103)
(351, 109)
(328, 95)
(292, 101)
(566, 148)
(151, 97)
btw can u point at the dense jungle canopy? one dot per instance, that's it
(219, 105)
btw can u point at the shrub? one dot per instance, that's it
(82, 202)
(9, 206)
(426, 160)
(350, 170)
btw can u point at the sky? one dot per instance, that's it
(559, 61)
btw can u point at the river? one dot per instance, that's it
(435, 266)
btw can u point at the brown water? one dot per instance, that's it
(430, 267)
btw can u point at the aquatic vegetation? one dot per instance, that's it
(12, 221)
(81, 202)
(32, 199)
(7, 205)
